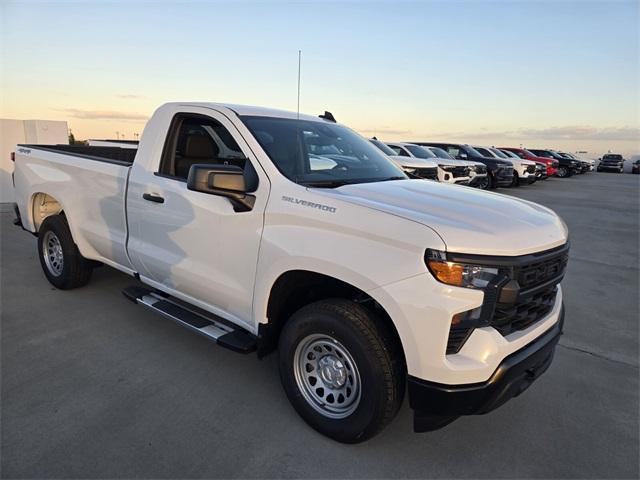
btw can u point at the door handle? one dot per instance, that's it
(153, 198)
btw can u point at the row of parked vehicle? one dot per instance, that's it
(481, 167)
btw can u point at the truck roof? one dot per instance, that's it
(249, 110)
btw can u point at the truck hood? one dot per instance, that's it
(467, 220)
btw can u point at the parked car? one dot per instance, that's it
(414, 167)
(588, 165)
(368, 284)
(551, 163)
(448, 171)
(611, 162)
(500, 172)
(524, 171)
(635, 167)
(566, 166)
(477, 171)
(541, 168)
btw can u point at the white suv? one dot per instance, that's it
(415, 167)
(524, 171)
(448, 171)
(477, 171)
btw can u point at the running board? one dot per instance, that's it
(215, 329)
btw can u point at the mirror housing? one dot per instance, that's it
(222, 180)
(463, 156)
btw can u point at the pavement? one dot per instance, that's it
(93, 386)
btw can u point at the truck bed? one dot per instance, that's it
(117, 155)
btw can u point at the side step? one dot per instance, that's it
(214, 328)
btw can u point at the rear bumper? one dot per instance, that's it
(435, 404)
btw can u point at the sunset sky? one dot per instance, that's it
(547, 74)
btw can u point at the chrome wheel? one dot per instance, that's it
(327, 376)
(52, 253)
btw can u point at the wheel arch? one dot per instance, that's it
(294, 289)
(42, 205)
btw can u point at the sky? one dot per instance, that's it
(546, 74)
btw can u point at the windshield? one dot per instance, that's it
(475, 153)
(419, 152)
(542, 153)
(320, 154)
(484, 152)
(612, 157)
(499, 153)
(509, 153)
(383, 146)
(440, 153)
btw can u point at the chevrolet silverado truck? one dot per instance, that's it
(265, 230)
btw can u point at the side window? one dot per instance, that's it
(399, 151)
(453, 151)
(196, 139)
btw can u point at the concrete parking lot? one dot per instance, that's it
(95, 386)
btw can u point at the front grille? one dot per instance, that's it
(512, 318)
(531, 168)
(460, 171)
(537, 273)
(429, 173)
(480, 169)
(538, 287)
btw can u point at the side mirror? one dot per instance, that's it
(463, 156)
(222, 180)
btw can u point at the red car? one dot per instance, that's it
(552, 165)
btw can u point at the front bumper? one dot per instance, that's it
(435, 404)
(613, 168)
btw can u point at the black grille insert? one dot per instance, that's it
(430, 173)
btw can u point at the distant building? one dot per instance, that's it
(13, 132)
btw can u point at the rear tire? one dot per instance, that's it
(342, 372)
(60, 259)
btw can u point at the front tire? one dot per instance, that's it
(60, 259)
(516, 180)
(341, 371)
(563, 172)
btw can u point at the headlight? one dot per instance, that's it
(409, 170)
(458, 274)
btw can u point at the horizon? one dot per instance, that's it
(539, 74)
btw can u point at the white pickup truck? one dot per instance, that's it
(267, 230)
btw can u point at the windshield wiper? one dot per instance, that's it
(341, 182)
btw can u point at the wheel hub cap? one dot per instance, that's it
(332, 371)
(327, 376)
(52, 253)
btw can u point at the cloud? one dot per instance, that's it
(576, 132)
(105, 115)
(384, 131)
